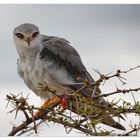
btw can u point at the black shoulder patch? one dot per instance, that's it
(58, 62)
(45, 53)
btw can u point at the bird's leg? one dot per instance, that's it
(64, 102)
(46, 104)
(49, 102)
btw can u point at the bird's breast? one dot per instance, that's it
(36, 75)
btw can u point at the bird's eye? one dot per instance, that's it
(19, 35)
(35, 34)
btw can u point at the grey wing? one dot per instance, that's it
(64, 57)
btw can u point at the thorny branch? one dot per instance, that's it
(84, 106)
(118, 91)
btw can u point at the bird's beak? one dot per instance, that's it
(28, 40)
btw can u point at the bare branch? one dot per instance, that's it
(119, 91)
(88, 113)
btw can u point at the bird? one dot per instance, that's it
(51, 60)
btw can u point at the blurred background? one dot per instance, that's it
(107, 38)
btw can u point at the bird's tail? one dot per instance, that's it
(97, 113)
(108, 120)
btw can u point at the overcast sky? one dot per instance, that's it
(107, 37)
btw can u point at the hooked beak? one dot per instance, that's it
(28, 40)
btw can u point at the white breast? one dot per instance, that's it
(33, 70)
(36, 73)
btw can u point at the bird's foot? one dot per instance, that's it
(64, 102)
(46, 104)
(50, 102)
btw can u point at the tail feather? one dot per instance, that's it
(108, 120)
(118, 126)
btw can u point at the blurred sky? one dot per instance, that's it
(107, 37)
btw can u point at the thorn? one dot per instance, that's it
(97, 71)
(134, 98)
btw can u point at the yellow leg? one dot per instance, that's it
(64, 102)
(46, 104)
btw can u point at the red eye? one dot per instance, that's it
(35, 34)
(19, 35)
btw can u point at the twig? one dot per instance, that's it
(86, 131)
(50, 114)
(118, 91)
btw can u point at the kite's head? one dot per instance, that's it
(26, 35)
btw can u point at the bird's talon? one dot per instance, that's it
(56, 99)
(46, 103)
(49, 103)
(44, 106)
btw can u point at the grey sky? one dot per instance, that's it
(106, 36)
